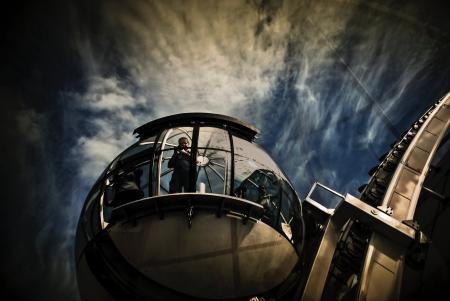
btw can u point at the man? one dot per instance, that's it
(180, 162)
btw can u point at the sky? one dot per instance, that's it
(330, 84)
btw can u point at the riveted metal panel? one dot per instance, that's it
(435, 126)
(426, 141)
(382, 269)
(443, 113)
(399, 205)
(417, 159)
(381, 284)
(407, 182)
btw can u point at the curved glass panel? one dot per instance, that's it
(210, 137)
(290, 213)
(251, 166)
(137, 150)
(156, 163)
(173, 135)
(256, 157)
(213, 171)
(262, 187)
(175, 171)
(175, 160)
(213, 161)
(142, 176)
(257, 178)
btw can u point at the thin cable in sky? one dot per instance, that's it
(389, 124)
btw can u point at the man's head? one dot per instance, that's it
(183, 143)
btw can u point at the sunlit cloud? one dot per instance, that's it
(200, 56)
(222, 57)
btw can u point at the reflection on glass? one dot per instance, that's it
(213, 159)
(262, 187)
(126, 186)
(142, 178)
(257, 156)
(257, 178)
(325, 197)
(290, 212)
(213, 138)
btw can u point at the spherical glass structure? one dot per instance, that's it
(193, 210)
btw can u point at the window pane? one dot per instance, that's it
(290, 212)
(138, 148)
(174, 176)
(250, 150)
(213, 171)
(247, 173)
(173, 136)
(325, 197)
(127, 184)
(160, 140)
(261, 186)
(166, 172)
(213, 138)
(142, 178)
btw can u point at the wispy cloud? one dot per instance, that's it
(350, 68)
(199, 56)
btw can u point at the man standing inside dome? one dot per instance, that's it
(180, 162)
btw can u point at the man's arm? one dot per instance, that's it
(174, 159)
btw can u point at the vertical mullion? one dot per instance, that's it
(232, 164)
(193, 169)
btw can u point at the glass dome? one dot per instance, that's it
(185, 167)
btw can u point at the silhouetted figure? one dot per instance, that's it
(180, 162)
(127, 188)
